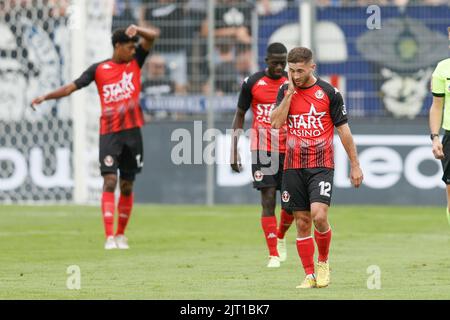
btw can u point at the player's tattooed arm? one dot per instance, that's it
(279, 115)
(356, 174)
(61, 92)
(148, 35)
(435, 125)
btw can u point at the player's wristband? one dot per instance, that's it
(433, 135)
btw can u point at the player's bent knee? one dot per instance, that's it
(319, 211)
(109, 183)
(127, 191)
(126, 187)
(304, 225)
(303, 222)
(321, 222)
(109, 188)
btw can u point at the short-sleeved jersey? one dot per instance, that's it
(259, 92)
(440, 87)
(119, 87)
(313, 114)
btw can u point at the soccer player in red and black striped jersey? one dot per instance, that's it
(312, 109)
(259, 93)
(118, 81)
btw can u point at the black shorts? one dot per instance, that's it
(446, 161)
(301, 187)
(264, 175)
(122, 151)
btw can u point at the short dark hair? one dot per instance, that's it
(276, 48)
(300, 54)
(119, 36)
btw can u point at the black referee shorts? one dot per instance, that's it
(446, 161)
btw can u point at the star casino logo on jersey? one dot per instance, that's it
(306, 124)
(119, 91)
(263, 112)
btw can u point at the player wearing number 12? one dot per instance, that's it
(312, 108)
(118, 84)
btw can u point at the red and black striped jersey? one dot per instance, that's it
(313, 114)
(259, 92)
(119, 87)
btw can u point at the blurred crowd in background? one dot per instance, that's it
(179, 61)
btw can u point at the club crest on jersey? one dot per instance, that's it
(108, 161)
(258, 176)
(319, 94)
(285, 196)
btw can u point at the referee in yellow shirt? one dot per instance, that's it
(440, 88)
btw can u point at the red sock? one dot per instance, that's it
(285, 222)
(108, 209)
(269, 225)
(125, 205)
(305, 249)
(323, 244)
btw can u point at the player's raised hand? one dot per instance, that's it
(131, 30)
(291, 86)
(235, 161)
(36, 101)
(356, 176)
(438, 150)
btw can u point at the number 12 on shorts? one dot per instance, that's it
(325, 188)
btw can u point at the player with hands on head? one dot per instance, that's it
(118, 81)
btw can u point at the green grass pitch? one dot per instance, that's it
(195, 252)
